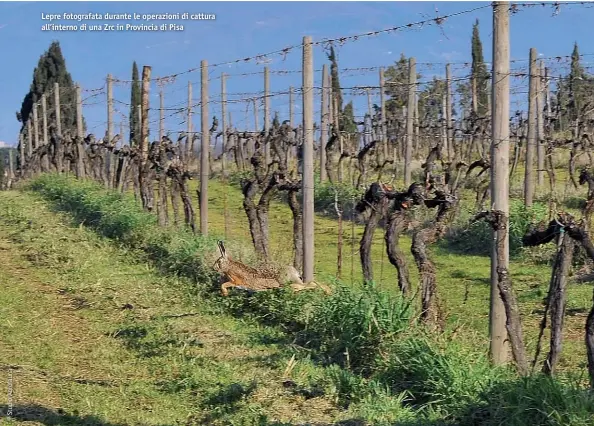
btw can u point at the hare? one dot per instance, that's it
(245, 277)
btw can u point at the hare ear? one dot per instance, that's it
(222, 249)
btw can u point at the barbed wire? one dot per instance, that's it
(341, 40)
(326, 43)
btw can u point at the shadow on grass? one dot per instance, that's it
(51, 417)
(147, 341)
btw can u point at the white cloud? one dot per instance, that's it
(4, 144)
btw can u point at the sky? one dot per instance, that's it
(247, 29)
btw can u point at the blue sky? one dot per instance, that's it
(243, 29)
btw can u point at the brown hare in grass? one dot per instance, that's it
(245, 277)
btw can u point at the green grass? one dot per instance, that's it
(356, 355)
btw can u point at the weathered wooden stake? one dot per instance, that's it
(21, 154)
(58, 109)
(224, 121)
(499, 174)
(190, 138)
(29, 138)
(80, 150)
(412, 80)
(144, 174)
(35, 127)
(324, 123)
(10, 165)
(540, 137)
(293, 151)
(79, 117)
(266, 114)
(449, 128)
(205, 149)
(44, 119)
(308, 161)
(383, 113)
(532, 131)
(291, 108)
(109, 109)
(161, 113)
(45, 165)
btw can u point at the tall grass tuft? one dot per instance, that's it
(472, 239)
(350, 327)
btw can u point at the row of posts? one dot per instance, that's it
(33, 137)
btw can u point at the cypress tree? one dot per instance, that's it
(397, 86)
(51, 69)
(335, 82)
(573, 94)
(348, 118)
(430, 100)
(479, 71)
(134, 102)
(346, 121)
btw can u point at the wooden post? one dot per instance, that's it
(416, 138)
(35, 127)
(190, 138)
(444, 127)
(79, 118)
(80, 150)
(449, 129)
(45, 163)
(383, 113)
(224, 119)
(44, 119)
(368, 126)
(21, 154)
(547, 92)
(540, 137)
(10, 165)
(29, 138)
(144, 122)
(266, 114)
(324, 123)
(161, 113)
(532, 128)
(499, 173)
(293, 150)
(59, 148)
(308, 161)
(205, 151)
(410, 110)
(291, 108)
(58, 109)
(109, 133)
(144, 177)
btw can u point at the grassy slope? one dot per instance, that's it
(89, 335)
(463, 280)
